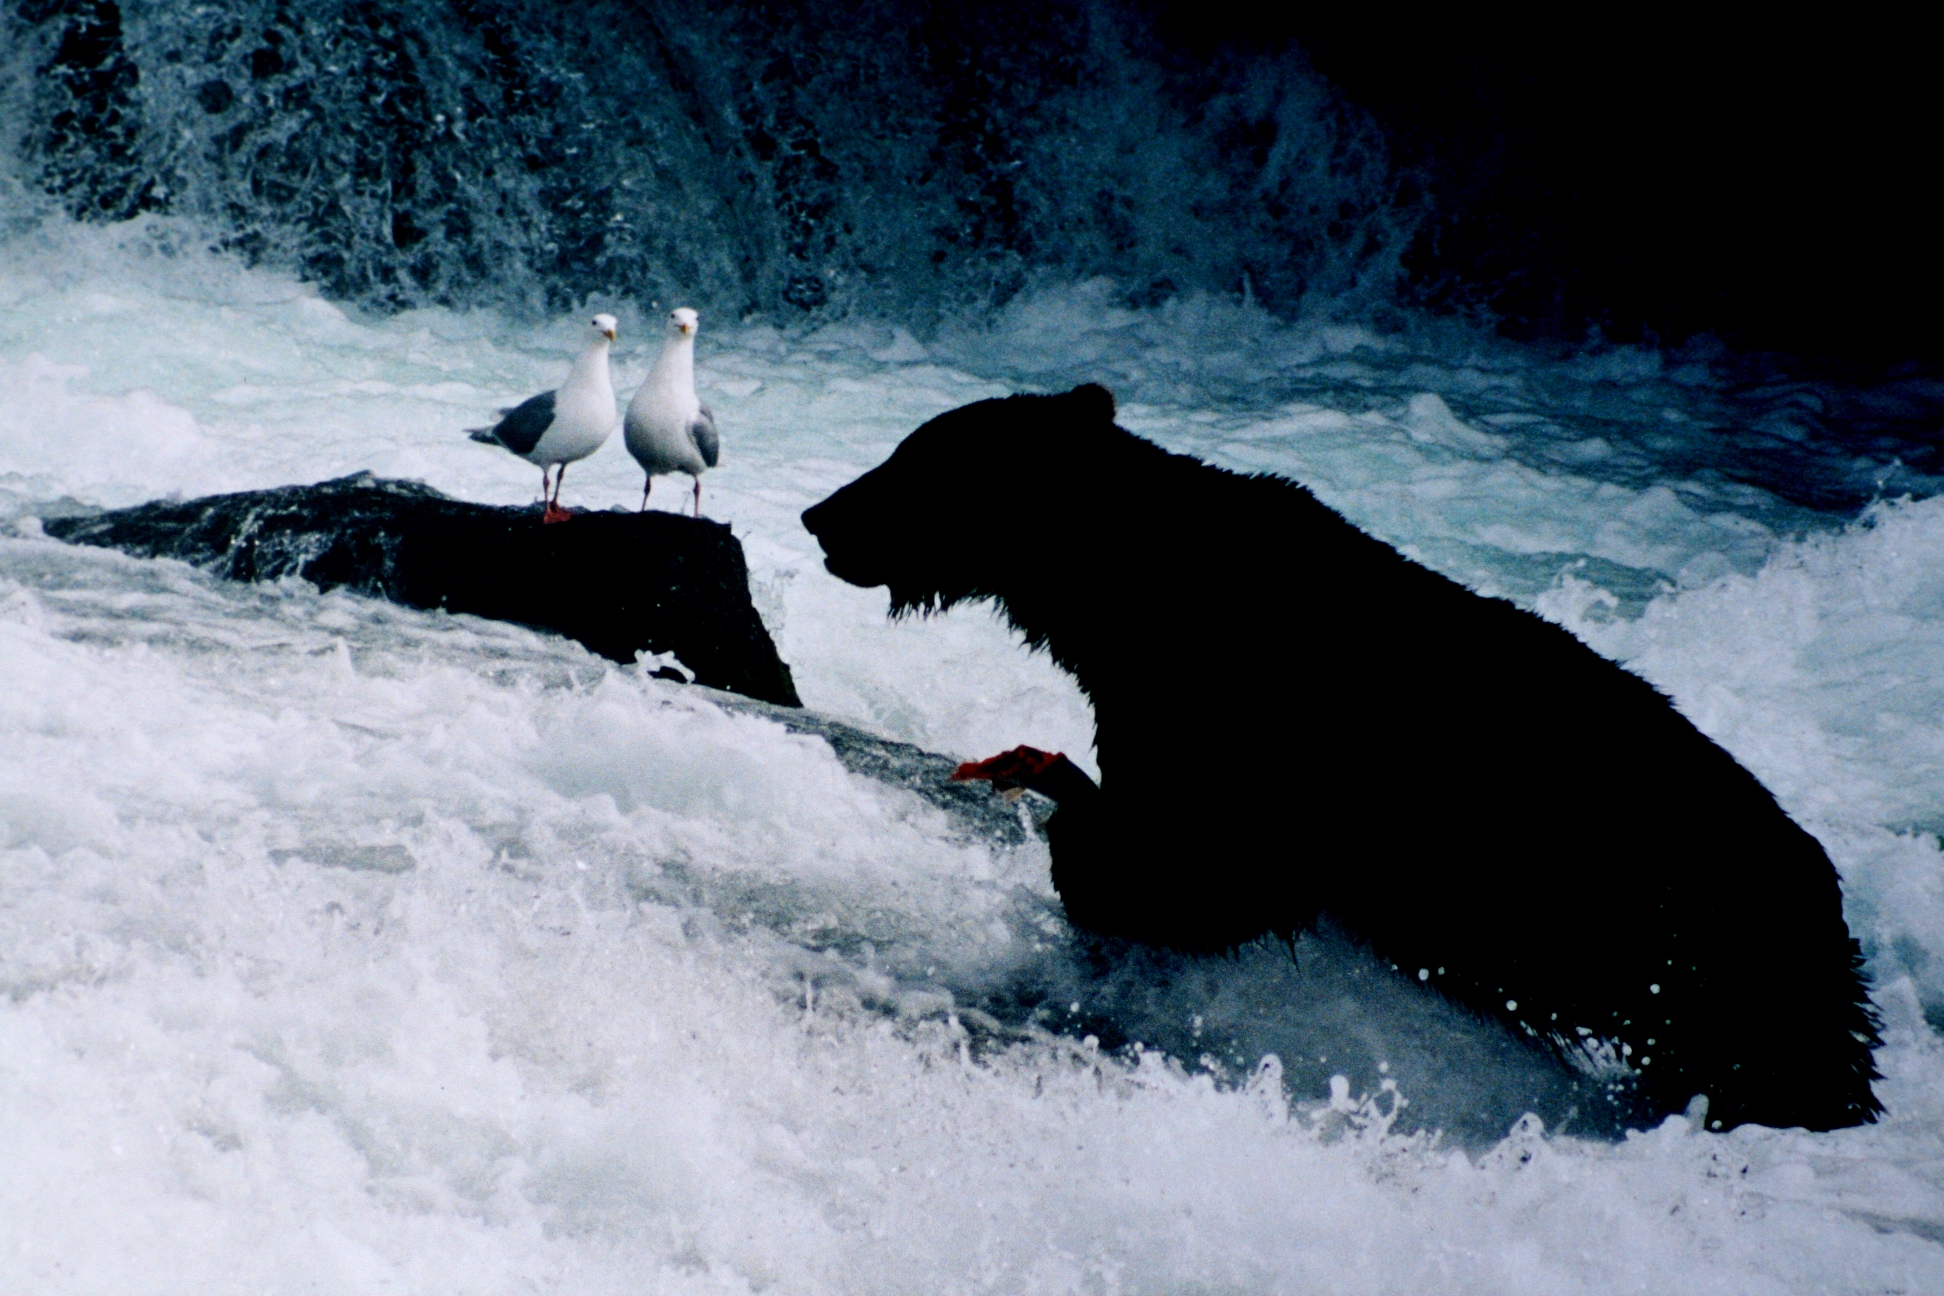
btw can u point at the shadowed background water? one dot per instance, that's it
(352, 948)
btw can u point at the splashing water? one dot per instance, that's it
(351, 948)
(777, 159)
(347, 948)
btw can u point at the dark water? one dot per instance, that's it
(776, 159)
(799, 163)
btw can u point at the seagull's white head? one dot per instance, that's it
(683, 322)
(605, 325)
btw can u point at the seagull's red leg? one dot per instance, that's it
(555, 513)
(646, 486)
(698, 497)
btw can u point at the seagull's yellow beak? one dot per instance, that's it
(686, 328)
(610, 334)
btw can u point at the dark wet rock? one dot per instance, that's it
(619, 583)
(975, 812)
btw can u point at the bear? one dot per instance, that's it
(1504, 815)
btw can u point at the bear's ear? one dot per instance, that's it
(1094, 401)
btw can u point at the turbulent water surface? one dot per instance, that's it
(348, 948)
(353, 948)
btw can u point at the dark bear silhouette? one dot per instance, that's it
(1497, 809)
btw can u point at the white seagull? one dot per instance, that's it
(563, 425)
(668, 428)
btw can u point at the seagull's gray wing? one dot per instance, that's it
(706, 440)
(523, 425)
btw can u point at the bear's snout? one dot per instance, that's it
(826, 521)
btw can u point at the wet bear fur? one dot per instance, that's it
(1295, 720)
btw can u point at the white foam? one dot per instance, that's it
(1824, 673)
(348, 949)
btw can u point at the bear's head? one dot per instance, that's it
(967, 502)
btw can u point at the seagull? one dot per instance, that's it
(668, 428)
(563, 425)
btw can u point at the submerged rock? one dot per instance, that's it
(620, 583)
(975, 813)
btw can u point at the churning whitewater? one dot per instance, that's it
(351, 948)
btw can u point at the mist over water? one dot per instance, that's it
(350, 948)
(778, 159)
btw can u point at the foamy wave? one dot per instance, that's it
(1823, 672)
(349, 946)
